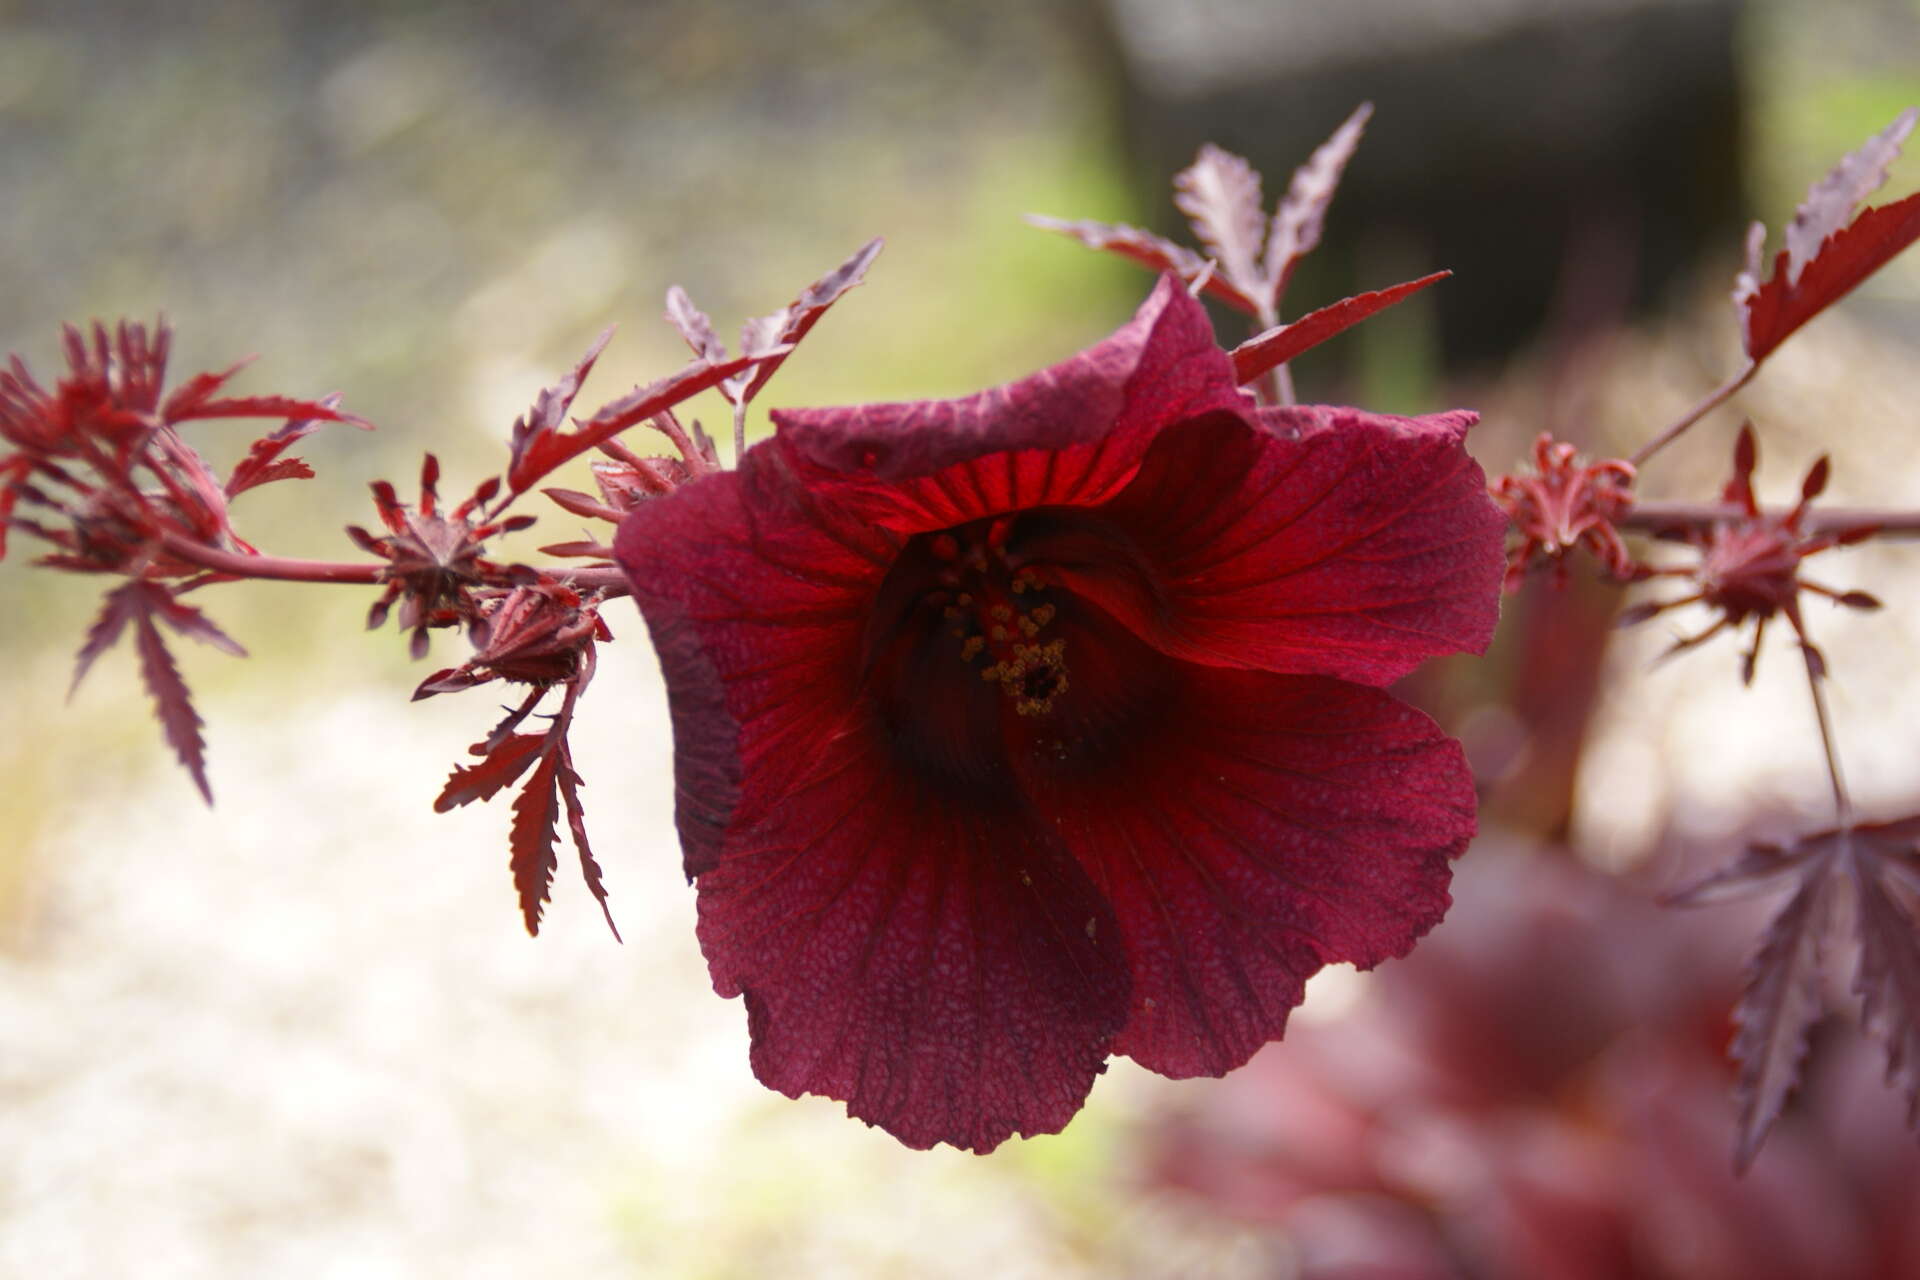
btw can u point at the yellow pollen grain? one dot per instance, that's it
(998, 633)
(971, 649)
(1001, 613)
(1042, 614)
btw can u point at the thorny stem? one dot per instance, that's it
(1842, 805)
(280, 569)
(1654, 517)
(1713, 400)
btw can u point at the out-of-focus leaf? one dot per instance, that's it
(1282, 343)
(263, 463)
(538, 445)
(693, 325)
(1781, 1004)
(1151, 251)
(1220, 194)
(1888, 980)
(1828, 251)
(13, 473)
(582, 504)
(786, 327)
(1760, 868)
(1302, 212)
(1831, 201)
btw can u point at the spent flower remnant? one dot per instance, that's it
(1017, 731)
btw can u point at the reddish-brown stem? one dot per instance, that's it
(1655, 517)
(1713, 400)
(1843, 806)
(273, 567)
(276, 568)
(1275, 386)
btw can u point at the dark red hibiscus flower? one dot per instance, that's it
(1017, 731)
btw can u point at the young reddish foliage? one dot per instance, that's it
(1565, 502)
(770, 337)
(1828, 250)
(1278, 345)
(544, 636)
(141, 603)
(539, 445)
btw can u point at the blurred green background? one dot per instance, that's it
(305, 1035)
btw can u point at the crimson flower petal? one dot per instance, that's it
(935, 961)
(1328, 542)
(1252, 828)
(1071, 435)
(1016, 731)
(757, 605)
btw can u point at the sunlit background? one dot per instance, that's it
(305, 1034)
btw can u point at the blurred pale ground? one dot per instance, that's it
(304, 1034)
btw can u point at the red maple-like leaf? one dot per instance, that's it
(1828, 250)
(1017, 731)
(141, 603)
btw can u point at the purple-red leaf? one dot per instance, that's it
(119, 606)
(502, 765)
(1781, 1004)
(539, 446)
(260, 407)
(582, 504)
(693, 325)
(1151, 251)
(531, 840)
(1888, 980)
(1302, 212)
(171, 700)
(13, 474)
(263, 463)
(1761, 868)
(788, 326)
(570, 784)
(1220, 194)
(198, 390)
(1826, 255)
(1831, 201)
(1278, 345)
